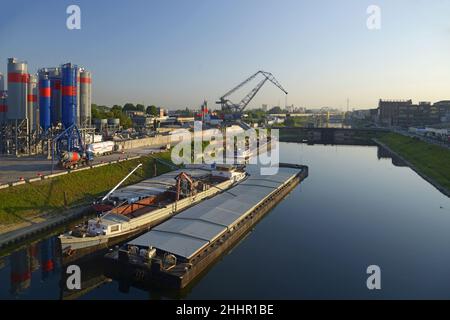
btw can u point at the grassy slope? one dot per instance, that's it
(30, 200)
(432, 160)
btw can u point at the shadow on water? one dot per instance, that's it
(383, 153)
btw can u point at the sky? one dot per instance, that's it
(176, 53)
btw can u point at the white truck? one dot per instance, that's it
(101, 148)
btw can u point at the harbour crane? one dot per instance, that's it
(236, 109)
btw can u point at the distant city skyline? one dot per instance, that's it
(178, 53)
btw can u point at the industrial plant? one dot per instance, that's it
(38, 107)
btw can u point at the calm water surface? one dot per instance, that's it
(355, 209)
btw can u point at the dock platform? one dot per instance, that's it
(177, 251)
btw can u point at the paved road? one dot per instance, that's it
(12, 169)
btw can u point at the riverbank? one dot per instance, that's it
(431, 162)
(33, 203)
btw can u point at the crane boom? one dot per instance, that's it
(227, 105)
(243, 83)
(246, 100)
(123, 180)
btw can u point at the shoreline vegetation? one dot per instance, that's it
(430, 161)
(48, 197)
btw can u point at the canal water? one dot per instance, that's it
(357, 208)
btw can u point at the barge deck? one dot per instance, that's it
(176, 252)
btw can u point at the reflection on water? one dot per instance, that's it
(358, 207)
(386, 154)
(33, 264)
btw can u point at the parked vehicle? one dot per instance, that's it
(101, 148)
(73, 160)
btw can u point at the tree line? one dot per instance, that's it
(119, 112)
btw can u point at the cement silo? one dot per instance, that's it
(54, 75)
(78, 98)
(44, 101)
(32, 101)
(69, 95)
(85, 98)
(17, 89)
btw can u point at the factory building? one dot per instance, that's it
(36, 107)
(444, 110)
(388, 111)
(404, 113)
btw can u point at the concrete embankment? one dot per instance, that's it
(432, 181)
(31, 229)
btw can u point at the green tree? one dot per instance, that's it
(117, 111)
(116, 107)
(129, 107)
(126, 122)
(95, 114)
(140, 107)
(276, 110)
(152, 110)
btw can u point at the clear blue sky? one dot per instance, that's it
(176, 53)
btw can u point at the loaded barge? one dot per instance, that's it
(176, 252)
(137, 208)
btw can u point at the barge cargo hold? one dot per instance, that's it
(176, 252)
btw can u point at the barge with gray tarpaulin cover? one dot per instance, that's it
(139, 207)
(177, 251)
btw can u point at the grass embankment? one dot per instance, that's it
(29, 200)
(431, 160)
